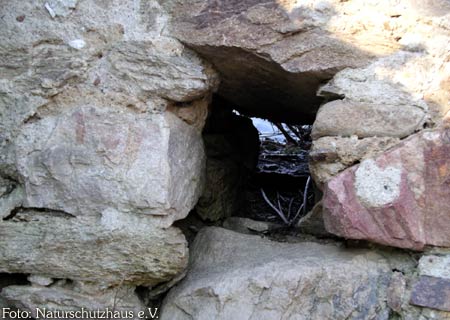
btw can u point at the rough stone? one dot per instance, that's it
(399, 198)
(123, 61)
(4, 304)
(11, 201)
(118, 248)
(222, 195)
(431, 292)
(162, 67)
(395, 94)
(435, 266)
(120, 301)
(60, 7)
(40, 280)
(90, 159)
(331, 155)
(234, 275)
(368, 120)
(100, 136)
(396, 292)
(400, 82)
(312, 223)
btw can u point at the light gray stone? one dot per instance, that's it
(375, 186)
(367, 120)
(11, 201)
(109, 51)
(115, 249)
(162, 67)
(60, 7)
(90, 159)
(237, 276)
(435, 266)
(39, 280)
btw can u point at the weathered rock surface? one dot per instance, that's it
(90, 159)
(331, 155)
(431, 292)
(432, 288)
(118, 248)
(400, 296)
(368, 120)
(239, 276)
(435, 266)
(398, 92)
(100, 145)
(11, 200)
(400, 198)
(56, 300)
(409, 80)
(58, 57)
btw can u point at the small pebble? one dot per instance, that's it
(77, 44)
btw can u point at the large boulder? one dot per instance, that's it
(237, 276)
(400, 198)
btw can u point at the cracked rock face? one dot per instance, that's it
(400, 198)
(239, 276)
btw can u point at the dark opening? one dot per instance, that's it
(280, 190)
(256, 168)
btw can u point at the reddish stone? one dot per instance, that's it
(401, 198)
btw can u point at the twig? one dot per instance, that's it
(290, 207)
(297, 213)
(294, 131)
(280, 213)
(285, 133)
(278, 200)
(305, 195)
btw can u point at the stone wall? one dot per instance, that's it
(102, 107)
(101, 150)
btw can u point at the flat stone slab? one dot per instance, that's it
(432, 292)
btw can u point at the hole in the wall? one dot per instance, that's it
(280, 189)
(256, 168)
